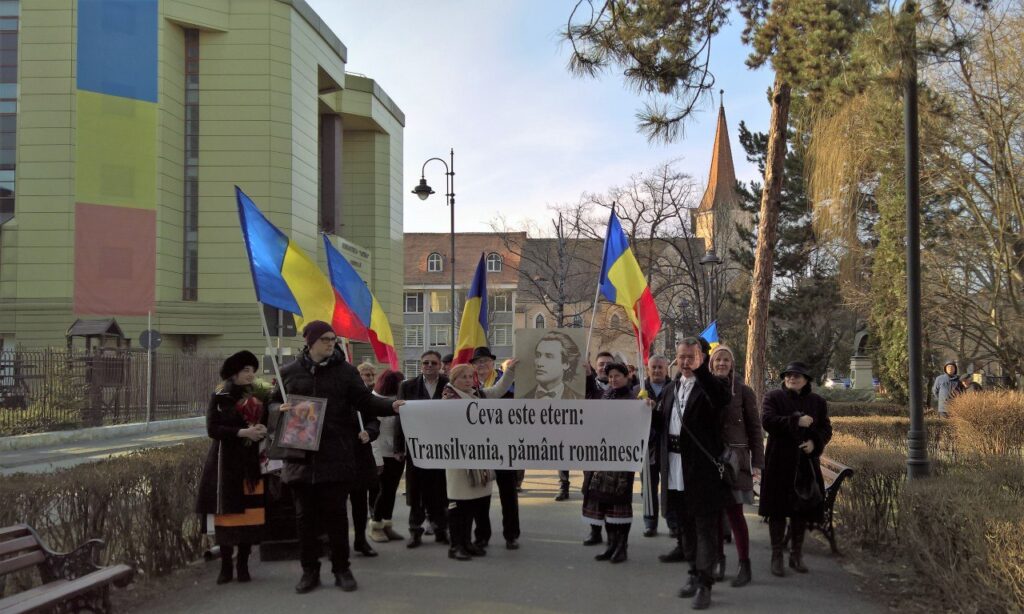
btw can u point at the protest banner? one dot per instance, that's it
(527, 434)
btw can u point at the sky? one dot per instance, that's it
(489, 79)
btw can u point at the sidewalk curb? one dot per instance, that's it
(56, 438)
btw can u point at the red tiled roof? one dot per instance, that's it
(468, 247)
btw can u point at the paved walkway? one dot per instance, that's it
(69, 454)
(551, 572)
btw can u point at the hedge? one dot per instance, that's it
(890, 433)
(867, 508)
(989, 423)
(140, 504)
(856, 408)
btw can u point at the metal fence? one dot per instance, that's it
(46, 390)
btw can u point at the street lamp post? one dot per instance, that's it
(710, 262)
(423, 191)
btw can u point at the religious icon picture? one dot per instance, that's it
(303, 424)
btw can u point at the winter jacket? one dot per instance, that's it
(944, 389)
(780, 412)
(231, 459)
(610, 486)
(341, 457)
(742, 432)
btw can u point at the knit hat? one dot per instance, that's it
(314, 330)
(236, 362)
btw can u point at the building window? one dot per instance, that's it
(493, 262)
(501, 334)
(190, 242)
(577, 321)
(538, 322)
(413, 302)
(440, 302)
(500, 302)
(8, 105)
(413, 335)
(440, 335)
(189, 344)
(434, 263)
(412, 368)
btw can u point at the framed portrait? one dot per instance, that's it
(551, 363)
(300, 427)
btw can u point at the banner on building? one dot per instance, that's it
(527, 434)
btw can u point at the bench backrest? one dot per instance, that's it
(19, 549)
(832, 471)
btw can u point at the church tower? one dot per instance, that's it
(719, 211)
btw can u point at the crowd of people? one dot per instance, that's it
(707, 451)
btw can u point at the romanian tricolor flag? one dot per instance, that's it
(473, 328)
(710, 335)
(623, 283)
(283, 275)
(357, 314)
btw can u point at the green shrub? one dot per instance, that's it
(857, 408)
(867, 508)
(965, 532)
(890, 433)
(989, 423)
(845, 395)
(139, 504)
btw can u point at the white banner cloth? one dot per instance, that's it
(527, 434)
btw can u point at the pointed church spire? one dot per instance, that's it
(721, 190)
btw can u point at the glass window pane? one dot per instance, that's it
(9, 8)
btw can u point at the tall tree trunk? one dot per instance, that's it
(767, 235)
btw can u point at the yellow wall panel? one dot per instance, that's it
(116, 151)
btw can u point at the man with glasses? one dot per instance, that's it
(320, 480)
(426, 490)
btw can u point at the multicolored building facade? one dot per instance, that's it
(124, 127)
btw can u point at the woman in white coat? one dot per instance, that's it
(469, 490)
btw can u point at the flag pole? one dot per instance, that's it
(597, 292)
(270, 350)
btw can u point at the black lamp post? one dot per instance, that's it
(423, 191)
(710, 262)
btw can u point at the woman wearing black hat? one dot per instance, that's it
(798, 429)
(231, 487)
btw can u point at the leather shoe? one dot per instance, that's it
(650, 532)
(511, 544)
(475, 550)
(702, 600)
(345, 581)
(676, 555)
(691, 587)
(562, 495)
(363, 548)
(796, 562)
(459, 554)
(415, 540)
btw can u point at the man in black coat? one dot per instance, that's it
(692, 488)
(426, 492)
(320, 480)
(656, 383)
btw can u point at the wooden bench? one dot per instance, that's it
(71, 582)
(833, 473)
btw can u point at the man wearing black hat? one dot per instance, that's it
(446, 364)
(507, 479)
(320, 480)
(688, 419)
(426, 491)
(798, 428)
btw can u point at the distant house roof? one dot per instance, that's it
(95, 328)
(469, 246)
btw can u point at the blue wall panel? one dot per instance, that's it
(117, 47)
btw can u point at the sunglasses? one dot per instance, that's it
(427, 363)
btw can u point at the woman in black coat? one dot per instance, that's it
(231, 487)
(798, 431)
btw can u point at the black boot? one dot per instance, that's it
(563, 493)
(360, 545)
(777, 531)
(441, 536)
(310, 579)
(692, 583)
(676, 555)
(345, 581)
(718, 572)
(798, 529)
(226, 553)
(742, 574)
(242, 563)
(622, 543)
(595, 536)
(702, 599)
(415, 538)
(613, 543)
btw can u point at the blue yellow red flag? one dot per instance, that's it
(473, 326)
(623, 283)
